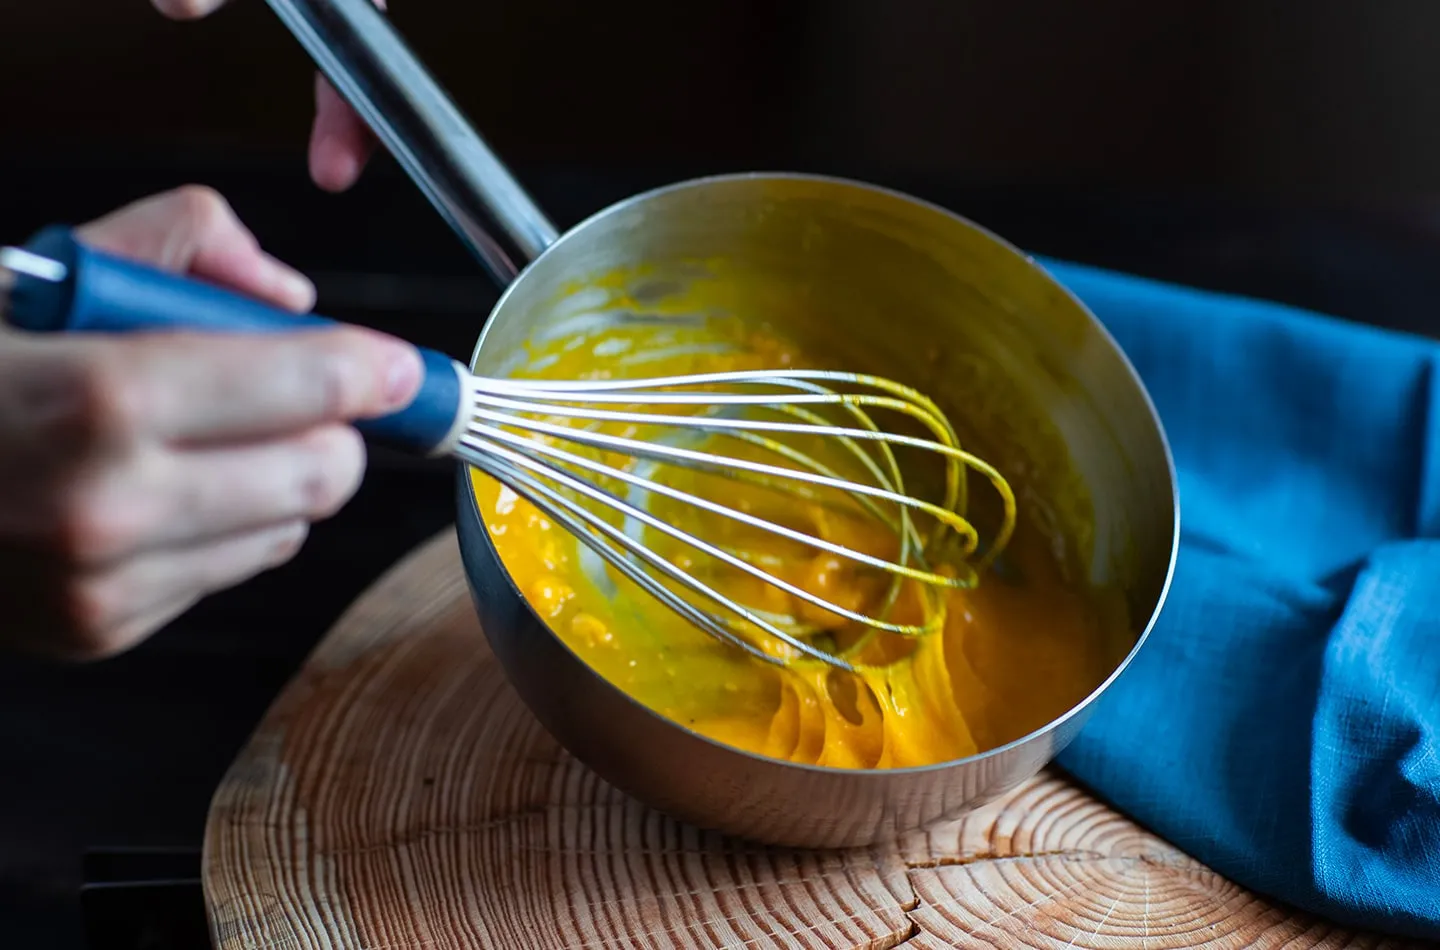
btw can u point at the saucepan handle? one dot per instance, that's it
(355, 45)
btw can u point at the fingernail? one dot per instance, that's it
(403, 370)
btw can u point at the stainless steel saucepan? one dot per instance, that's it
(856, 271)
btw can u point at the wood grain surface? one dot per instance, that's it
(398, 796)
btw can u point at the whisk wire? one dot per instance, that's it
(477, 440)
(529, 446)
(509, 414)
(545, 498)
(950, 517)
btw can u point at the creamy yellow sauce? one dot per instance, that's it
(1012, 654)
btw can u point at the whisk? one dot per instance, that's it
(543, 440)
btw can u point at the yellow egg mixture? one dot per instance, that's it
(1013, 653)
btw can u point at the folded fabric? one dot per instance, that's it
(1282, 725)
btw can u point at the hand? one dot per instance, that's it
(140, 473)
(340, 141)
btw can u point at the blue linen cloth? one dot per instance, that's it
(1282, 724)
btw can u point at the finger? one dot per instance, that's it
(134, 632)
(212, 493)
(340, 142)
(206, 389)
(194, 230)
(113, 611)
(188, 9)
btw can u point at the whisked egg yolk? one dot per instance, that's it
(1013, 653)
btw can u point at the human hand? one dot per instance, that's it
(140, 473)
(340, 141)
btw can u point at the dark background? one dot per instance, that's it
(1317, 98)
(1281, 148)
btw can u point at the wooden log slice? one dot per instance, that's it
(398, 796)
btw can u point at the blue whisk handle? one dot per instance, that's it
(58, 285)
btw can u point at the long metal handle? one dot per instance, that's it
(361, 53)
